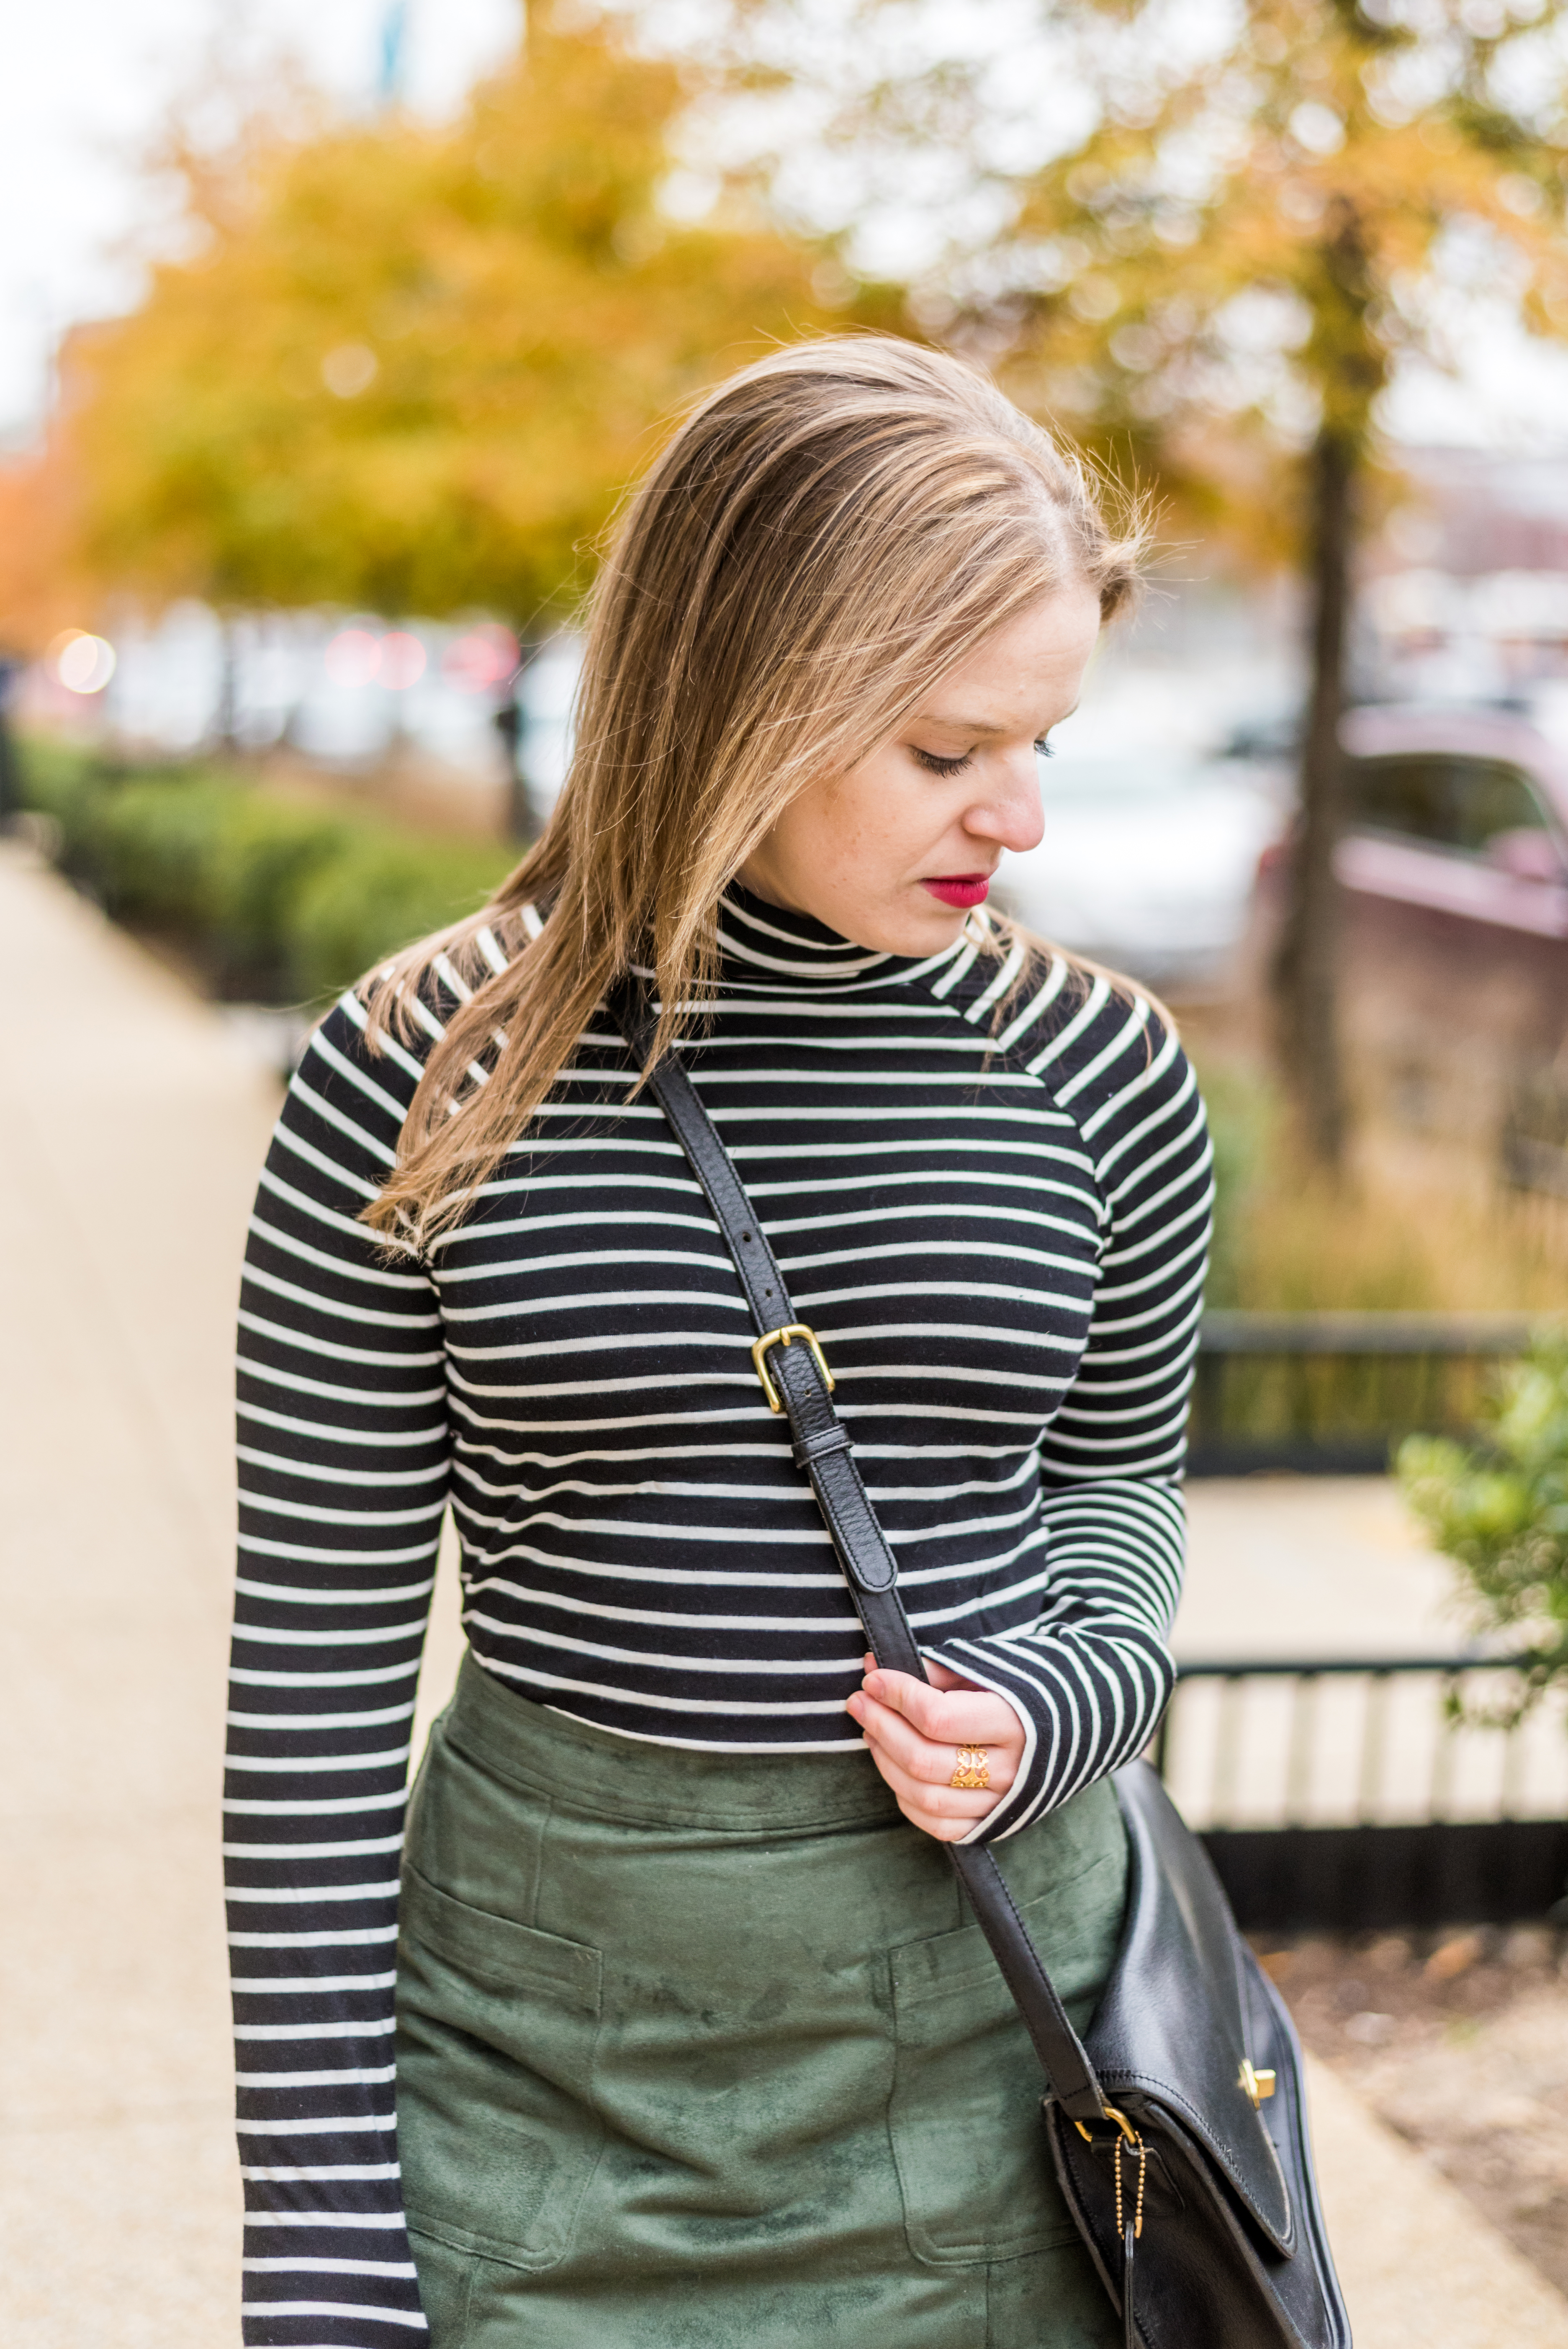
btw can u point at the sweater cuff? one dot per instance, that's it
(1090, 1701)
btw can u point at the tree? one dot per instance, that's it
(411, 369)
(1503, 1512)
(1215, 276)
(42, 589)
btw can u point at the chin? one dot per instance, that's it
(910, 928)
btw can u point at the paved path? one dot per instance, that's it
(133, 1131)
(133, 1126)
(1310, 1565)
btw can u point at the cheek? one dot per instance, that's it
(806, 838)
(824, 830)
(878, 811)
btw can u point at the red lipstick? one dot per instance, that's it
(960, 888)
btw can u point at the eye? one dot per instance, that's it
(934, 765)
(1043, 750)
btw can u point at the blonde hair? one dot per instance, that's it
(824, 536)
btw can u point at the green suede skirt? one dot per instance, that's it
(701, 2049)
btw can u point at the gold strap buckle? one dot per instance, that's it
(1129, 2134)
(1258, 2085)
(782, 1338)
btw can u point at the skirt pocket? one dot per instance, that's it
(497, 2028)
(974, 2167)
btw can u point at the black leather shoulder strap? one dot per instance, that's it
(821, 1446)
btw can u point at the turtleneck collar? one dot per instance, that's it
(766, 946)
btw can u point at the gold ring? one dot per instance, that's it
(974, 1771)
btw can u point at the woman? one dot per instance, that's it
(689, 2038)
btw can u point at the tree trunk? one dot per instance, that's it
(511, 722)
(226, 718)
(1306, 962)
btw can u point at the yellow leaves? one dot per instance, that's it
(414, 366)
(1330, 157)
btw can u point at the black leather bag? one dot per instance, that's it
(1179, 2127)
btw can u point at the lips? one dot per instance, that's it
(960, 888)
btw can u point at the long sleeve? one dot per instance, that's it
(343, 1450)
(1091, 1675)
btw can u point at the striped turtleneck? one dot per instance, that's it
(997, 1225)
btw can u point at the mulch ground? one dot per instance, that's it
(1460, 2043)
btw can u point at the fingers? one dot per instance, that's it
(938, 1674)
(961, 1716)
(914, 1732)
(925, 1760)
(935, 1797)
(947, 1813)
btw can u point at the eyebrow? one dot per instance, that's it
(980, 725)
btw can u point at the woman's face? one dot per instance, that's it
(894, 853)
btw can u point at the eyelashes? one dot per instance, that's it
(934, 765)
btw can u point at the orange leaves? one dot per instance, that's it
(411, 368)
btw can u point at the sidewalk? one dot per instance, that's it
(1310, 1565)
(133, 1134)
(134, 1126)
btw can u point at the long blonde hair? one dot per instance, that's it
(823, 536)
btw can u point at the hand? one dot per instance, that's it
(915, 1730)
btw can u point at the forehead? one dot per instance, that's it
(1034, 660)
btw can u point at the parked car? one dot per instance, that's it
(1454, 862)
(1148, 860)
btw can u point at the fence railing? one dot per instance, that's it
(1335, 1393)
(1354, 1792)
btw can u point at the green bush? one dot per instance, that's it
(276, 898)
(69, 788)
(154, 850)
(1500, 1511)
(388, 889)
(263, 858)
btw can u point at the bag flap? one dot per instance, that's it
(1171, 2027)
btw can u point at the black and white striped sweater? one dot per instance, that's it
(999, 1235)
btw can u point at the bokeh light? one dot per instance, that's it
(83, 663)
(353, 659)
(402, 660)
(481, 659)
(349, 369)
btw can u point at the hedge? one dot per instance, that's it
(276, 899)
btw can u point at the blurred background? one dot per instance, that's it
(331, 339)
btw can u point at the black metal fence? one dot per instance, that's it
(1356, 1794)
(1335, 1393)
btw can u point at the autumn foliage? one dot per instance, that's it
(44, 583)
(409, 368)
(1222, 280)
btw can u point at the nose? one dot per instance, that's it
(1010, 814)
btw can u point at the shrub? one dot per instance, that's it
(69, 788)
(383, 892)
(263, 861)
(277, 898)
(1400, 1232)
(154, 850)
(1500, 1511)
